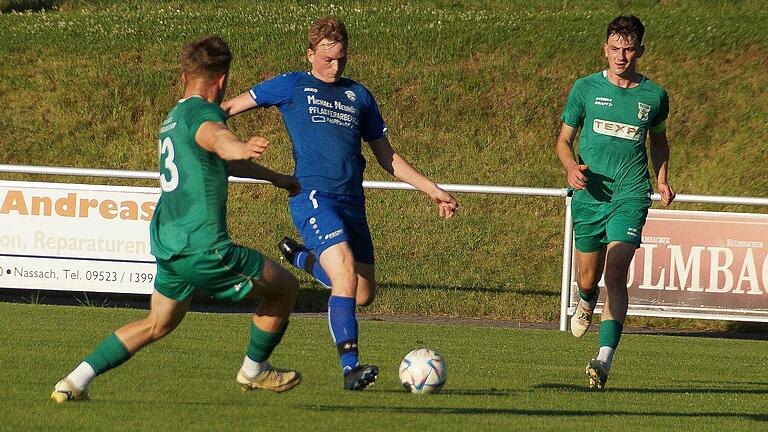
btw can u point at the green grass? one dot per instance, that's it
(499, 378)
(472, 92)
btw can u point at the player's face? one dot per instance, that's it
(622, 54)
(328, 60)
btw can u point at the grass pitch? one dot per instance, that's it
(472, 92)
(499, 378)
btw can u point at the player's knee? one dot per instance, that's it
(365, 299)
(587, 279)
(366, 292)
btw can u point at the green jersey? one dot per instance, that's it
(191, 214)
(614, 124)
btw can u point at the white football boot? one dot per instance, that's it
(581, 320)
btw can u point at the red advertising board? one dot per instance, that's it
(700, 265)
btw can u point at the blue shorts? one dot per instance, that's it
(326, 219)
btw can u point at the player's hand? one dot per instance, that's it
(667, 194)
(576, 177)
(289, 183)
(446, 203)
(255, 147)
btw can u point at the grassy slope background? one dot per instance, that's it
(472, 92)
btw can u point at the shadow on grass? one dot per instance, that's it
(460, 392)
(530, 412)
(681, 390)
(501, 289)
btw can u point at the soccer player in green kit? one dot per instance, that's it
(189, 238)
(616, 110)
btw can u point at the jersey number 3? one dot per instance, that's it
(166, 159)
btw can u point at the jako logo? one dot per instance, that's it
(333, 234)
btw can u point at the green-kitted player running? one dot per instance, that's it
(616, 110)
(189, 237)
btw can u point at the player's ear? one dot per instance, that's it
(310, 55)
(183, 78)
(640, 50)
(221, 81)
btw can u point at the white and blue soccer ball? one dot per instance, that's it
(423, 371)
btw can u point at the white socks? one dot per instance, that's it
(250, 368)
(605, 355)
(81, 376)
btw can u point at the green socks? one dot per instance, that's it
(610, 333)
(109, 354)
(261, 343)
(591, 297)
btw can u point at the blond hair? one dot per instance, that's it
(330, 28)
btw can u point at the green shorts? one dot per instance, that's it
(597, 224)
(225, 273)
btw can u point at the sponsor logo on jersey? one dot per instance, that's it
(615, 129)
(642, 111)
(336, 233)
(604, 101)
(310, 89)
(351, 95)
(168, 127)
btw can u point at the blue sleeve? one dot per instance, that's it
(573, 113)
(274, 92)
(372, 126)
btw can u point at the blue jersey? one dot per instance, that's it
(325, 123)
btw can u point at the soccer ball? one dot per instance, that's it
(423, 371)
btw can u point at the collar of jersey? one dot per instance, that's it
(319, 81)
(193, 96)
(605, 76)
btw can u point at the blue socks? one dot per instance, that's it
(317, 272)
(343, 324)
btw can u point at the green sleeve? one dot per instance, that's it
(203, 113)
(573, 112)
(663, 112)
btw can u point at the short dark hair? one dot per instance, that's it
(206, 57)
(627, 27)
(330, 28)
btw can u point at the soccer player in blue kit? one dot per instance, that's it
(326, 117)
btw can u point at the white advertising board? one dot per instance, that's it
(695, 264)
(73, 237)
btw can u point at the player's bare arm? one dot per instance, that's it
(239, 104)
(217, 138)
(659, 147)
(250, 169)
(575, 172)
(396, 165)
